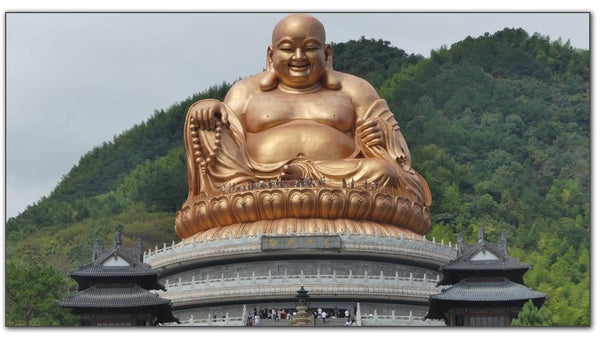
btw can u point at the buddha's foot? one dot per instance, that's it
(291, 172)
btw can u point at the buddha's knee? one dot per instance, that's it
(382, 171)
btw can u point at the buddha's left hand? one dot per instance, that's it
(369, 132)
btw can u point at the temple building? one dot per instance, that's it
(380, 279)
(483, 286)
(115, 290)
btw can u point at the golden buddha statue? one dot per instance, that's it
(299, 141)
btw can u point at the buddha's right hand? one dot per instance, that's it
(209, 114)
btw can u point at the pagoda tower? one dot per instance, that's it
(482, 287)
(115, 290)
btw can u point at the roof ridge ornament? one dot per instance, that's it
(139, 253)
(97, 250)
(118, 241)
(480, 235)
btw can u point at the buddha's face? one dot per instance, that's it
(298, 52)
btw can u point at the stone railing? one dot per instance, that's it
(179, 253)
(210, 322)
(373, 319)
(296, 279)
(194, 292)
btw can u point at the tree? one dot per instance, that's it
(32, 292)
(532, 316)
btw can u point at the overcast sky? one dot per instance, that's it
(75, 80)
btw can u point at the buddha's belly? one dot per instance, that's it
(299, 138)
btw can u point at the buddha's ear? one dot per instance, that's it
(329, 56)
(269, 59)
(330, 80)
(269, 80)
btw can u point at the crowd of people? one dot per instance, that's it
(271, 314)
(300, 183)
(312, 183)
(275, 315)
(273, 183)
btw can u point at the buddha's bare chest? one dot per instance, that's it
(269, 109)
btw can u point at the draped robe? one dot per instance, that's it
(218, 158)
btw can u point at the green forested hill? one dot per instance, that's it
(499, 125)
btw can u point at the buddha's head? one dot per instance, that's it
(298, 56)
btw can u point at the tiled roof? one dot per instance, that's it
(504, 261)
(96, 269)
(130, 268)
(137, 272)
(483, 259)
(133, 257)
(488, 265)
(504, 290)
(113, 297)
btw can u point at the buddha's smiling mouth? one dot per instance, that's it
(300, 67)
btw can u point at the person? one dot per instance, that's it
(323, 316)
(298, 119)
(347, 315)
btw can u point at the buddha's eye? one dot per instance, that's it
(285, 48)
